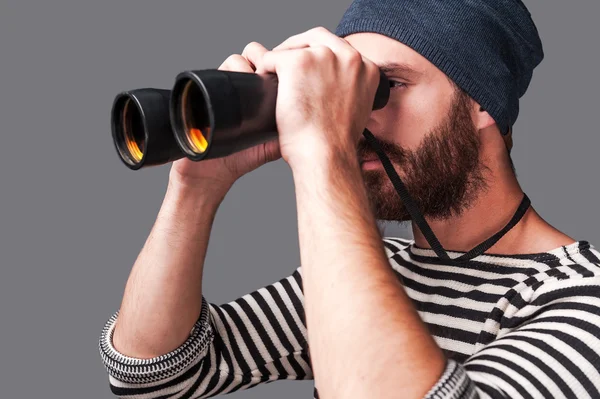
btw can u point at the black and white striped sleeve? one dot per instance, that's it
(546, 345)
(258, 338)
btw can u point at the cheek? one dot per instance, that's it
(411, 113)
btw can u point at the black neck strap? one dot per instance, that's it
(418, 218)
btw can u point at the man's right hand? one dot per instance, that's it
(224, 171)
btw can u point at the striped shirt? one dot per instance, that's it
(511, 326)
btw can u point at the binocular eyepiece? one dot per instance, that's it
(207, 114)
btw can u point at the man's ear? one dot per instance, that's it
(481, 118)
(508, 139)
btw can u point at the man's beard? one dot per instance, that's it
(443, 175)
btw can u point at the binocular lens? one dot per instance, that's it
(134, 131)
(195, 118)
(130, 131)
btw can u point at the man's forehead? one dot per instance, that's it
(389, 53)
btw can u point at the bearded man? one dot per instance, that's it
(488, 300)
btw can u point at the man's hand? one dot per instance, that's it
(221, 173)
(325, 95)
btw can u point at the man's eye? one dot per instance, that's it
(394, 84)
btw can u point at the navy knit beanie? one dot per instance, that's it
(489, 48)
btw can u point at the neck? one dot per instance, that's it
(491, 211)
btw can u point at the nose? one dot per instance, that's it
(374, 124)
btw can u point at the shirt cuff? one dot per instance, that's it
(142, 371)
(453, 384)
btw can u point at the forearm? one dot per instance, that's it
(162, 298)
(366, 338)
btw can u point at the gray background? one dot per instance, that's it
(73, 218)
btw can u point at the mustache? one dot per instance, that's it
(394, 152)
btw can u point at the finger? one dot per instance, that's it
(312, 37)
(272, 60)
(253, 52)
(237, 63)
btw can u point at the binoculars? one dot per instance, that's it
(207, 114)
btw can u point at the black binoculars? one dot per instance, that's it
(207, 114)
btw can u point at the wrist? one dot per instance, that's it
(323, 160)
(202, 193)
(198, 184)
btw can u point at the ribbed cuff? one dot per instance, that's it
(453, 384)
(142, 371)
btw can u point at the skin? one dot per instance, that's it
(352, 298)
(362, 327)
(443, 174)
(423, 103)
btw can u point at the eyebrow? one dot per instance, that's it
(401, 69)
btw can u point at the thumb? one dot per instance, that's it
(272, 150)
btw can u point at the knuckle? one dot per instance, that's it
(234, 62)
(227, 61)
(250, 46)
(353, 57)
(323, 52)
(370, 68)
(304, 59)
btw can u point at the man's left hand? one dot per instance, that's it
(325, 95)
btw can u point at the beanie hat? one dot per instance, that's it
(489, 48)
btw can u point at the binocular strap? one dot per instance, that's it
(419, 219)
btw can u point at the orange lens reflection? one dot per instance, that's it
(132, 146)
(194, 118)
(134, 150)
(198, 140)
